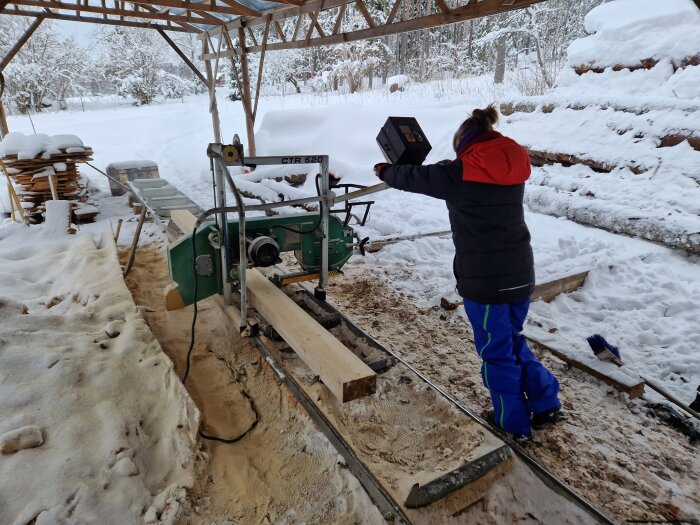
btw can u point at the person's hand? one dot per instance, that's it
(379, 168)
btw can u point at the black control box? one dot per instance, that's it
(403, 142)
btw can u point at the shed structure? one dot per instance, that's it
(243, 27)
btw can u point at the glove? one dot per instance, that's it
(379, 168)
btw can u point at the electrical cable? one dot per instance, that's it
(188, 358)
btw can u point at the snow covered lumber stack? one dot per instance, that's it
(617, 141)
(44, 167)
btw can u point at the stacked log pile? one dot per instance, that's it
(617, 141)
(45, 168)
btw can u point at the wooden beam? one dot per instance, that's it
(443, 6)
(606, 371)
(247, 107)
(148, 14)
(343, 373)
(22, 40)
(467, 12)
(394, 11)
(152, 9)
(4, 129)
(297, 26)
(209, 7)
(549, 290)
(182, 55)
(3, 3)
(184, 220)
(339, 19)
(252, 36)
(260, 69)
(363, 10)
(280, 33)
(314, 21)
(94, 20)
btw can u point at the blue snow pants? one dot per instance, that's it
(518, 383)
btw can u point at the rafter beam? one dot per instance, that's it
(210, 7)
(466, 12)
(23, 40)
(363, 10)
(95, 20)
(183, 56)
(147, 14)
(339, 19)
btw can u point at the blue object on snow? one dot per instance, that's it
(599, 345)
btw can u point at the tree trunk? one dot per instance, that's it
(500, 71)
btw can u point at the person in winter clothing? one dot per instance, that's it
(483, 188)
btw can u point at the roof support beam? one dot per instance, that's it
(95, 20)
(146, 13)
(23, 40)
(466, 12)
(210, 7)
(182, 55)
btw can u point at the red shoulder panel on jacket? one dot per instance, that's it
(500, 161)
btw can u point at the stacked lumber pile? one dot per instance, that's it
(617, 141)
(44, 168)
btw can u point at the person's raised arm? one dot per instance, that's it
(435, 180)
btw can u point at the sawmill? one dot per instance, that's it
(270, 347)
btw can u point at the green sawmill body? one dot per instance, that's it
(306, 248)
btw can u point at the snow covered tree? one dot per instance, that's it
(137, 62)
(47, 69)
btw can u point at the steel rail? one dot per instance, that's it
(391, 509)
(540, 470)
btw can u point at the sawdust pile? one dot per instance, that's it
(281, 471)
(627, 464)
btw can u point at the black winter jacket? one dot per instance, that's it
(493, 262)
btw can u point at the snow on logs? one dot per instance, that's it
(345, 375)
(617, 141)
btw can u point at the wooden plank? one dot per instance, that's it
(549, 290)
(184, 220)
(345, 375)
(606, 371)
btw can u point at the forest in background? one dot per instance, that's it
(140, 66)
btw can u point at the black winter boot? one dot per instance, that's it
(549, 417)
(695, 405)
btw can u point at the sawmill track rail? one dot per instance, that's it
(391, 509)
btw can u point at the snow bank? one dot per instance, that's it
(627, 32)
(117, 426)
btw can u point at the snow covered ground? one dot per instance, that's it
(639, 295)
(115, 428)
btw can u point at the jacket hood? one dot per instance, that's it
(495, 159)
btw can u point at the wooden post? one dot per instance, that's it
(249, 116)
(211, 85)
(4, 130)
